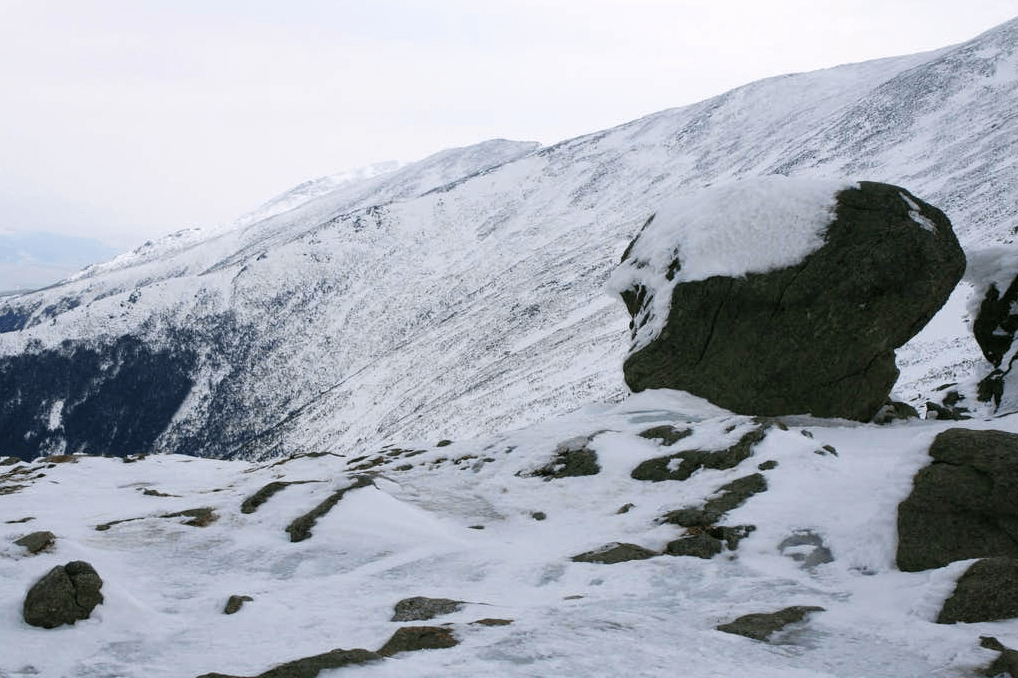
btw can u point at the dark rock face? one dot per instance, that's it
(615, 553)
(988, 591)
(66, 594)
(421, 608)
(963, 505)
(309, 667)
(816, 337)
(411, 638)
(761, 626)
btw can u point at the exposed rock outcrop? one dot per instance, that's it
(988, 591)
(762, 625)
(615, 553)
(817, 336)
(66, 594)
(964, 504)
(411, 638)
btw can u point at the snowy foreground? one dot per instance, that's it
(414, 532)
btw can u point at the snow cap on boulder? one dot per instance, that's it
(775, 296)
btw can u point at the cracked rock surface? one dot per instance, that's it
(818, 336)
(964, 504)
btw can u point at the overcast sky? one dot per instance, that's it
(129, 119)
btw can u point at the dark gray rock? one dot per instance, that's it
(309, 667)
(300, 528)
(733, 494)
(66, 594)
(895, 411)
(572, 458)
(964, 504)
(997, 321)
(411, 638)
(668, 435)
(816, 337)
(37, 541)
(421, 608)
(234, 604)
(251, 504)
(763, 625)
(701, 545)
(1007, 662)
(806, 547)
(988, 591)
(690, 461)
(615, 553)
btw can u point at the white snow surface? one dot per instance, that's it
(414, 532)
(752, 225)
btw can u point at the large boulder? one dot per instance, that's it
(964, 504)
(780, 296)
(66, 594)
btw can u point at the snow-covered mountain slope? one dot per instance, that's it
(465, 294)
(470, 521)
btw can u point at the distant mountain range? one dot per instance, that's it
(464, 293)
(30, 260)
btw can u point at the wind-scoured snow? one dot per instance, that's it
(752, 225)
(458, 522)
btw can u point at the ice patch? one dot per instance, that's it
(748, 226)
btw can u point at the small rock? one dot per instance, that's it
(668, 435)
(199, 517)
(538, 515)
(761, 626)
(234, 604)
(66, 594)
(807, 548)
(615, 553)
(895, 411)
(689, 461)
(443, 443)
(309, 667)
(768, 465)
(421, 608)
(411, 638)
(624, 509)
(1007, 662)
(37, 541)
(700, 545)
(572, 458)
(492, 622)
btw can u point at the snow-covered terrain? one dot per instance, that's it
(438, 338)
(461, 521)
(465, 293)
